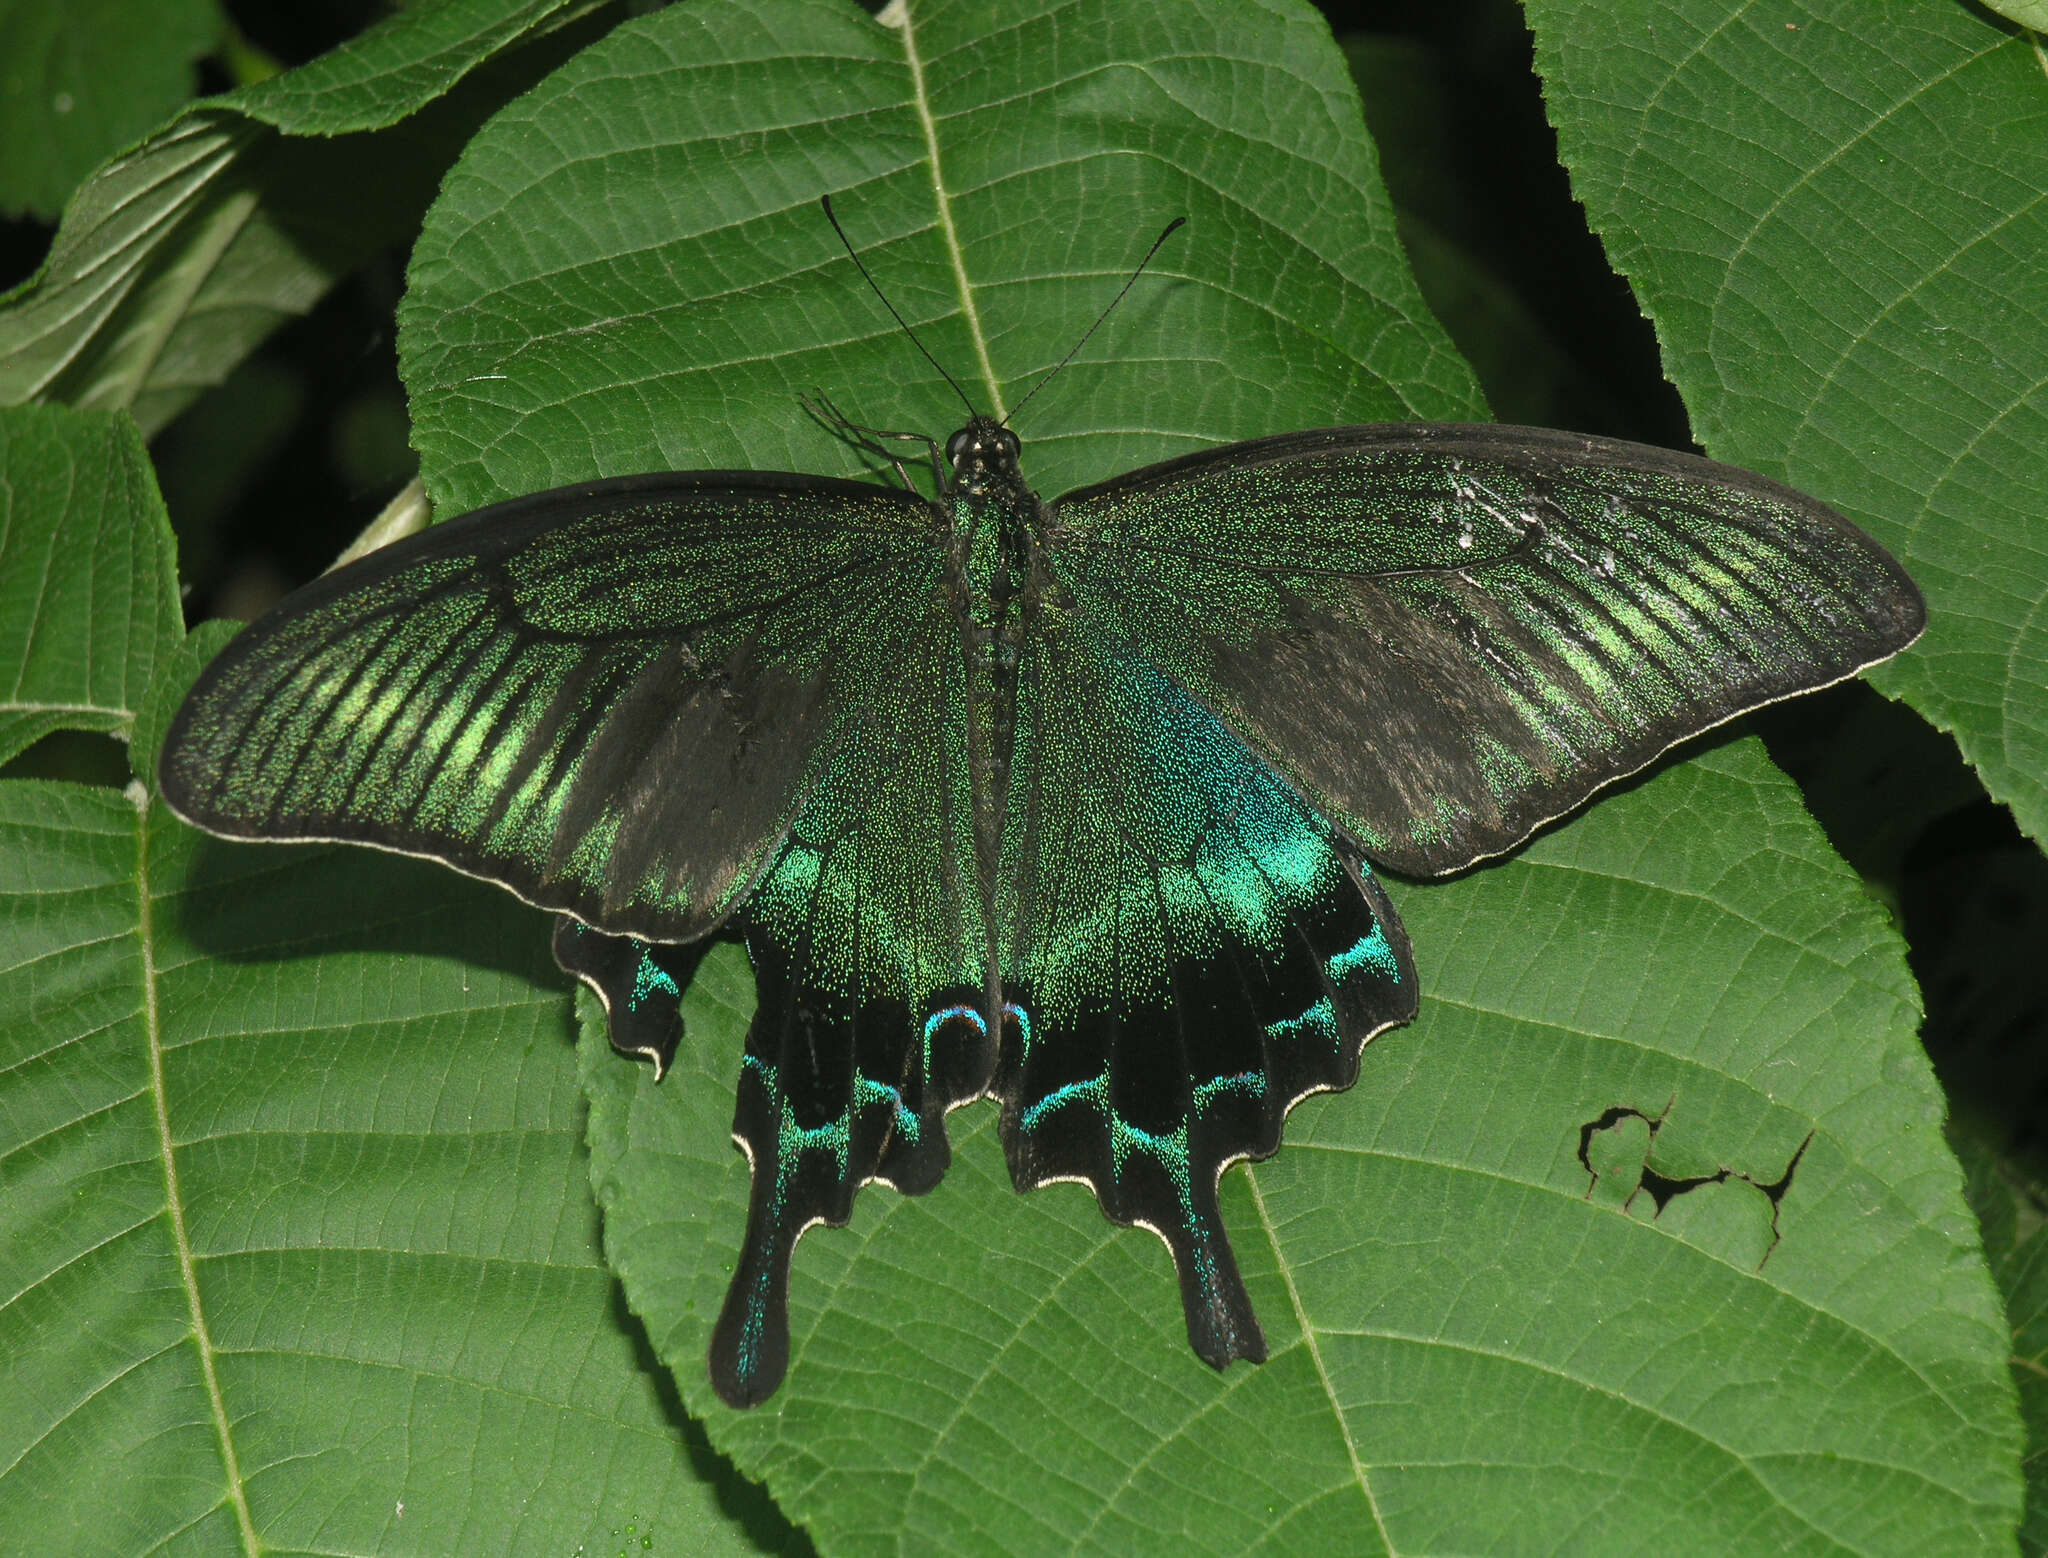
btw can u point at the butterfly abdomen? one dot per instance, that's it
(994, 601)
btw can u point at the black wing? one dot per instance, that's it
(1450, 634)
(870, 946)
(611, 699)
(1187, 950)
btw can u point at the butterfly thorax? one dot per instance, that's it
(992, 514)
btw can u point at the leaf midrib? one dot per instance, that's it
(73, 710)
(897, 15)
(1315, 1353)
(174, 1202)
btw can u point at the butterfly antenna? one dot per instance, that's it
(1171, 228)
(826, 201)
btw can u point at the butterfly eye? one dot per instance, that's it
(958, 445)
(1011, 447)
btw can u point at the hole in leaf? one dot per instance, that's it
(81, 756)
(1616, 1149)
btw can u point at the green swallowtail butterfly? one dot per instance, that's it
(1076, 804)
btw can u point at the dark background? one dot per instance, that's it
(269, 476)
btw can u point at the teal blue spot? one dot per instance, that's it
(1369, 951)
(938, 1020)
(1320, 1020)
(1250, 1084)
(1171, 1152)
(866, 1092)
(834, 1136)
(1093, 1087)
(649, 977)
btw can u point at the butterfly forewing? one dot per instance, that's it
(611, 699)
(1449, 635)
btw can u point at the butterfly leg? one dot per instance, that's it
(872, 440)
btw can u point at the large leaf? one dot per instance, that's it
(87, 586)
(298, 1255)
(1833, 212)
(2011, 1212)
(629, 271)
(1486, 1335)
(1478, 1344)
(176, 258)
(297, 1251)
(82, 80)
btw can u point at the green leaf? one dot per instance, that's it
(2024, 1276)
(296, 1245)
(88, 586)
(293, 1229)
(176, 258)
(1478, 1342)
(81, 80)
(2014, 1216)
(399, 66)
(2028, 13)
(628, 270)
(1832, 211)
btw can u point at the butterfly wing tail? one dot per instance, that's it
(832, 1095)
(814, 1128)
(1158, 1100)
(641, 984)
(1222, 1325)
(801, 1175)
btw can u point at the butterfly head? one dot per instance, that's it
(983, 455)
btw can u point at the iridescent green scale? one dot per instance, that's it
(1072, 804)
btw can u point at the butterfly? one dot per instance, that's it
(1077, 804)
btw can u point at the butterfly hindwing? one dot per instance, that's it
(1191, 946)
(1451, 634)
(869, 943)
(640, 984)
(610, 698)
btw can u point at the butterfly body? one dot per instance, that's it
(1074, 804)
(996, 545)
(1198, 886)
